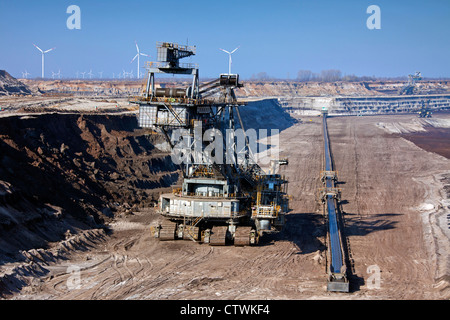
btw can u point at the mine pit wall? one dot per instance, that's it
(74, 172)
(364, 105)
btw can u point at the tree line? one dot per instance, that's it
(329, 75)
(333, 75)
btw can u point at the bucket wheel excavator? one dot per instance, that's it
(225, 197)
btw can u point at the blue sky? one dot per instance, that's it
(276, 37)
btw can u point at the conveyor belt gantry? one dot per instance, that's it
(337, 279)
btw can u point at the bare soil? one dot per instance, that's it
(392, 193)
(433, 139)
(393, 196)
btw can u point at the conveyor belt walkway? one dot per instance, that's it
(337, 280)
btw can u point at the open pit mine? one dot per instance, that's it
(94, 205)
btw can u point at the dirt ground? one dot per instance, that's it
(396, 216)
(393, 193)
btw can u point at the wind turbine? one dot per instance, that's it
(229, 61)
(43, 53)
(90, 74)
(25, 74)
(139, 53)
(56, 74)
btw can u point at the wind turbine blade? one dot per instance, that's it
(49, 50)
(224, 50)
(144, 54)
(235, 49)
(38, 48)
(137, 48)
(134, 58)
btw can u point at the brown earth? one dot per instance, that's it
(62, 175)
(392, 193)
(388, 185)
(433, 139)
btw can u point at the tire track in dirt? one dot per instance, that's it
(136, 279)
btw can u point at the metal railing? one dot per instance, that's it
(162, 44)
(266, 211)
(165, 65)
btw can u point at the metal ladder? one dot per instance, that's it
(190, 229)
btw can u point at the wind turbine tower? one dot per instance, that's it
(43, 53)
(229, 60)
(25, 74)
(139, 53)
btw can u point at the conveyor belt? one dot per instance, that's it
(335, 241)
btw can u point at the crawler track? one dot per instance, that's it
(218, 236)
(242, 236)
(167, 231)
